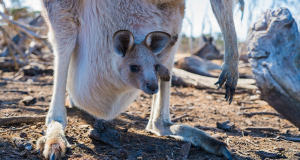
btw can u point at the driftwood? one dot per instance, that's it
(186, 79)
(274, 54)
(21, 119)
(259, 113)
(262, 129)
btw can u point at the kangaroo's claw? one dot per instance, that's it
(231, 78)
(54, 144)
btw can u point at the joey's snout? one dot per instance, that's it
(151, 88)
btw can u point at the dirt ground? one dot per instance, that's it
(199, 108)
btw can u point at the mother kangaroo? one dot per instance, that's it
(90, 63)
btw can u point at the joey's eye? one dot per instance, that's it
(157, 67)
(134, 68)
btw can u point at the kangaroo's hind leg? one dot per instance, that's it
(160, 121)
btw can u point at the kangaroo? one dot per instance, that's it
(197, 65)
(90, 63)
(208, 50)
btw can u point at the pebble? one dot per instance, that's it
(23, 134)
(28, 100)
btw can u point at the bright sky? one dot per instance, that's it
(195, 12)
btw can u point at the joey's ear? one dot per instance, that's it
(210, 40)
(163, 73)
(123, 41)
(204, 38)
(157, 41)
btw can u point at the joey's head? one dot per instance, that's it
(139, 66)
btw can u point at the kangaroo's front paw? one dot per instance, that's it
(53, 146)
(230, 75)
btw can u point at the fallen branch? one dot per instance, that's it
(179, 118)
(15, 129)
(294, 139)
(262, 129)
(21, 119)
(267, 154)
(259, 113)
(186, 79)
(10, 50)
(22, 28)
(10, 42)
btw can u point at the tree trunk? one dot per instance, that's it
(274, 54)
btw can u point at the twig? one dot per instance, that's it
(179, 118)
(22, 28)
(262, 129)
(10, 42)
(259, 113)
(251, 142)
(10, 50)
(16, 129)
(21, 119)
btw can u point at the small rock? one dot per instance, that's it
(122, 154)
(185, 150)
(280, 149)
(249, 122)
(23, 134)
(84, 126)
(22, 143)
(41, 99)
(226, 126)
(139, 157)
(104, 132)
(28, 100)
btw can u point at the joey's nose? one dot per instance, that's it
(152, 87)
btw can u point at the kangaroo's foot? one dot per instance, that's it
(198, 138)
(230, 75)
(54, 144)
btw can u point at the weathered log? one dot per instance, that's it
(187, 79)
(274, 54)
(21, 119)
